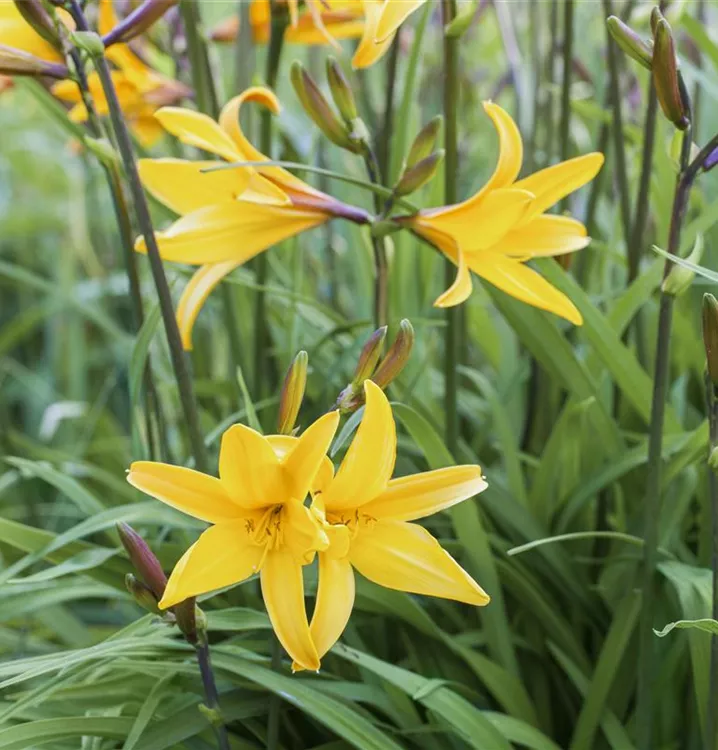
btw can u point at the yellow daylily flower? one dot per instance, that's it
(16, 32)
(367, 518)
(140, 89)
(383, 18)
(504, 224)
(259, 522)
(260, 205)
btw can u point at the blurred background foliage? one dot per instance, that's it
(556, 416)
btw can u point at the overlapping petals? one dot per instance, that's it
(260, 522)
(227, 216)
(503, 225)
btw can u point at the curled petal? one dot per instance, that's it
(283, 592)
(420, 495)
(195, 294)
(544, 236)
(405, 557)
(369, 462)
(222, 556)
(196, 494)
(369, 50)
(520, 281)
(460, 290)
(393, 14)
(201, 131)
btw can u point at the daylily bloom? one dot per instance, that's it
(504, 224)
(319, 22)
(366, 516)
(259, 522)
(227, 216)
(140, 89)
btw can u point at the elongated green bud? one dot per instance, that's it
(88, 41)
(462, 20)
(292, 396)
(369, 357)
(632, 44)
(656, 18)
(710, 336)
(397, 356)
(15, 62)
(341, 91)
(679, 277)
(318, 109)
(142, 594)
(666, 77)
(424, 142)
(415, 177)
(143, 560)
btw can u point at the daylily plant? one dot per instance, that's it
(359, 519)
(228, 216)
(504, 224)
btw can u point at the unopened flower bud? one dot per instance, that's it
(143, 560)
(88, 41)
(680, 277)
(138, 21)
(666, 77)
(142, 594)
(710, 335)
(656, 17)
(462, 20)
(423, 144)
(317, 107)
(33, 11)
(186, 616)
(417, 176)
(369, 357)
(630, 42)
(292, 396)
(15, 62)
(341, 91)
(397, 356)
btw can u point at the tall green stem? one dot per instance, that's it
(565, 125)
(451, 166)
(712, 712)
(381, 279)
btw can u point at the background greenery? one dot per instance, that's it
(557, 417)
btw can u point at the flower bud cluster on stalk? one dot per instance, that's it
(372, 366)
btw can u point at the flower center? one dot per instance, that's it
(266, 530)
(353, 519)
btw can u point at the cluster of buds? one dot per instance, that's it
(422, 160)
(148, 589)
(342, 127)
(372, 366)
(659, 56)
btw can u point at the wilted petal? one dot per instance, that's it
(405, 557)
(222, 556)
(196, 494)
(283, 592)
(369, 462)
(420, 495)
(545, 235)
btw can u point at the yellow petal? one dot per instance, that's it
(222, 556)
(393, 14)
(147, 130)
(460, 290)
(520, 281)
(405, 557)
(16, 32)
(335, 599)
(305, 459)
(196, 129)
(232, 231)
(302, 533)
(106, 17)
(196, 494)
(262, 190)
(249, 469)
(195, 294)
(369, 462)
(545, 235)
(420, 495)
(283, 444)
(511, 149)
(293, 11)
(368, 50)
(553, 183)
(338, 26)
(283, 592)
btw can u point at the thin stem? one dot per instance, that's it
(177, 355)
(451, 166)
(712, 712)
(550, 70)
(383, 154)
(381, 279)
(275, 702)
(565, 126)
(210, 691)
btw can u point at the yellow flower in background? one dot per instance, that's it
(383, 18)
(259, 522)
(16, 32)
(140, 89)
(227, 216)
(366, 516)
(504, 224)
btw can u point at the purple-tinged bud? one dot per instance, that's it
(711, 160)
(630, 42)
(397, 356)
(142, 594)
(424, 142)
(138, 21)
(656, 17)
(417, 176)
(33, 11)
(186, 615)
(341, 91)
(666, 76)
(143, 559)
(369, 358)
(15, 62)
(710, 336)
(292, 396)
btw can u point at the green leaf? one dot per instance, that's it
(706, 624)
